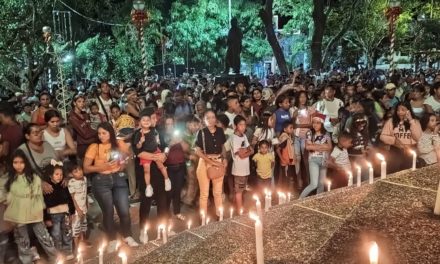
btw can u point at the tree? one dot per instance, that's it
(266, 14)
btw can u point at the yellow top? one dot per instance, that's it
(124, 121)
(264, 164)
(100, 154)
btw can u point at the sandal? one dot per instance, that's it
(180, 217)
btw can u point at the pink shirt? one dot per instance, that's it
(303, 118)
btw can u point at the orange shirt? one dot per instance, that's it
(101, 153)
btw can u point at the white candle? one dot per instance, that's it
(189, 224)
(370, 173)
(101, 253)
(437, 202)
(358, 176)
(79, 256)
(258, 206)
(374, 253)
(60, 261)
(241, 211)
(145, 235)
(220, 213)
(329, 186)
(159, 231)
(202, 213)
(281, 198)
(207, 220)
(252, 110)
(231, 212)
(164, 234)
(289, 196)
(123, 257)
(383, 166)
(267, 200)
(414, 160)
(258, 239)
(350, 179)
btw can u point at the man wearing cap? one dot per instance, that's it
(390, 90)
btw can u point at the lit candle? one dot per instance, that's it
(189, 224)
(258, 206)
(60, 261)
(267, 200)
(220, 210)
(207, 220)
(350, 179)
(383, 166)
(101, 253)
(202, 213)
(281, 198)
(241, 211)
(170, 227)
(370, 173)
(374, 253)
(123, 257)
(358, 176)
(258, 239)
(329, 186)
(159, 231)
(437, 201)
(145, 235)
(231, 212)
(163, 227)
(289, 196)
(414, 160)
(79, 256)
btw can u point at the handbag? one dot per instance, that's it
(213, 172)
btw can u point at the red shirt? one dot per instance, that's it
(12, 134)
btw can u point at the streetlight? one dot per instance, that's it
(392, 13)
(140, 17)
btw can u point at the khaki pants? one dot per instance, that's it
(217, 187)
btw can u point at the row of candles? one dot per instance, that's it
(163, 231)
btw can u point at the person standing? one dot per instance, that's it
(210, 149)
(105, 100)
(59, 138)
(329, 107)
(38, 115)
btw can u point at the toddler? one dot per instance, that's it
(264, 161)
(95, 116)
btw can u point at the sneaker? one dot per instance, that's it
(70, 257)
(149, 191)
(131, 242)
(167, 185)
(111, 247)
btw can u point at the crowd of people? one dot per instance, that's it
(192, 141)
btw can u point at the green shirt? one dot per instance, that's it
(25, 201)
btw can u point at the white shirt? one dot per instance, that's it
(240, 167)
(78, 189)
(107, 104)
(341, 158)
(231, 117)
(433, 103)
(59, 142)
(330, 109)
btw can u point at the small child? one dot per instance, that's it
(286, 154)
(339, 160)
(59, 208)
(123, 123)
(95, 116)
(241, 150)
(25, 206)
(265, 162)
(147, 140)
(78, 191)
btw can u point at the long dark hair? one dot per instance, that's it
(298, 95)
(353, 127)
(109, 128)
(28, 173)
(264, 123)
(396, 119)
(50, 114)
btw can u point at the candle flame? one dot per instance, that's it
(122, 255)
(253, 216)
(220, 209)
(413, 152)
(358, 167)
(101, 248)
(380, 156)
(241, 211)
(207, 220)
(350, 175)
(202, 213)
(189, 224)
(255, 197)
(374, 253)
(369, 164)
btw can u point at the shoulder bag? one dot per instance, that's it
(213, 172)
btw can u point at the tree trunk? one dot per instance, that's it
(319, 21)
(266, 15)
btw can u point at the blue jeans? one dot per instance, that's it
(111, 191)
(61, 232)
(318, 173)
(300, 146)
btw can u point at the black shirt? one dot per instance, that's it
(213, 141)
(150, 144)
(60, 195)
